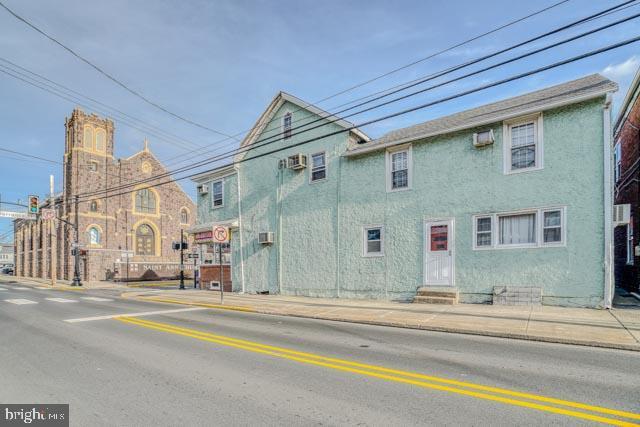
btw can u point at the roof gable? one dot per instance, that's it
(274, 106)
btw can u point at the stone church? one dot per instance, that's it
(122, 236)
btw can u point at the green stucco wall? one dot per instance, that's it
(319, 226)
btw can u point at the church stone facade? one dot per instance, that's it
(124, 234)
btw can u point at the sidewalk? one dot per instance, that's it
(618, 328)
(61, 284)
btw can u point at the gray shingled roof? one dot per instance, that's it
(562, 94)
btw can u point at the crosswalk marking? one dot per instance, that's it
(61, 300)
(96, 299)
(3, 289)
(20, 301)
(23, 289)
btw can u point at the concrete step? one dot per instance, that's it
(428, 291)
(419, 299)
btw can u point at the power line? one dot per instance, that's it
(95, 101)
(418, 107)
(433, 55)
(109, 76)
(432, 76)
(29, 155)
(78, 101)
(256, 145)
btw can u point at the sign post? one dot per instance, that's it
(220, 236)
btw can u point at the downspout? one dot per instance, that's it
(337, 231)
(240, 229)
(279, 238)
(608, 205)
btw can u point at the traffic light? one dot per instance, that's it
(33, 204)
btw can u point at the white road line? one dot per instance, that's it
(96, 299)
(61, 300)
(20, 301)
(144, 313)
(3, 289)
(23, 289)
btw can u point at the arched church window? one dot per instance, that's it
(145, 201)
(87, 138)
(101, 140)
(94, 236)
(184, 216)
(145, 240)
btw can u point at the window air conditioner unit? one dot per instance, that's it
(265, 238)
(203, 189)
(621, 214)
(297, 161)
(480, 139)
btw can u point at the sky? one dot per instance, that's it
(219, 63)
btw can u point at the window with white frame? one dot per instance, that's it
(318, 167)
(373, 241)
(552, 226)
(217, 194)
(523, 143)
(617, 160)
(517, 229)
(398, 166)
(484, 226)
(286, 125)
(630, 246)
(522, 229)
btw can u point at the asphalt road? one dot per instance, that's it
(218, 367)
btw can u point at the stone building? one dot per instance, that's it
(123, 234)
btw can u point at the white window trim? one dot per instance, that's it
(282, 124)
(389, 152)
(495, 245)
(212, 193)
(326, 169)
(475, 232)
(364, 241)
(506, 142)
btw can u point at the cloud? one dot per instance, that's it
(623, 71)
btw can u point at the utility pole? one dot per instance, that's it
(181, 259)
(53, 236)
(76, 267)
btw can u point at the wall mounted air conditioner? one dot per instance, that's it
(203, 189)
(480, 139)
(621, 214)
(297, 161)
(265, 238)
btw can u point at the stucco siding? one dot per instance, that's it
(318, 227)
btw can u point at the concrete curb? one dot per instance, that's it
(509, 335)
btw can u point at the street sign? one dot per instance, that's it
(128, 254)
(15, 215)
(220, 234)
(194, 256)
(47, 214)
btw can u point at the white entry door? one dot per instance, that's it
(439, 253)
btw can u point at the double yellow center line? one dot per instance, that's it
(496, 394)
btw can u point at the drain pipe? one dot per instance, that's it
(608, 205)
(237, 169)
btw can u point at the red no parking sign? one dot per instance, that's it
(220, 234)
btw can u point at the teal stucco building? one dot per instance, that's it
(513, 194)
